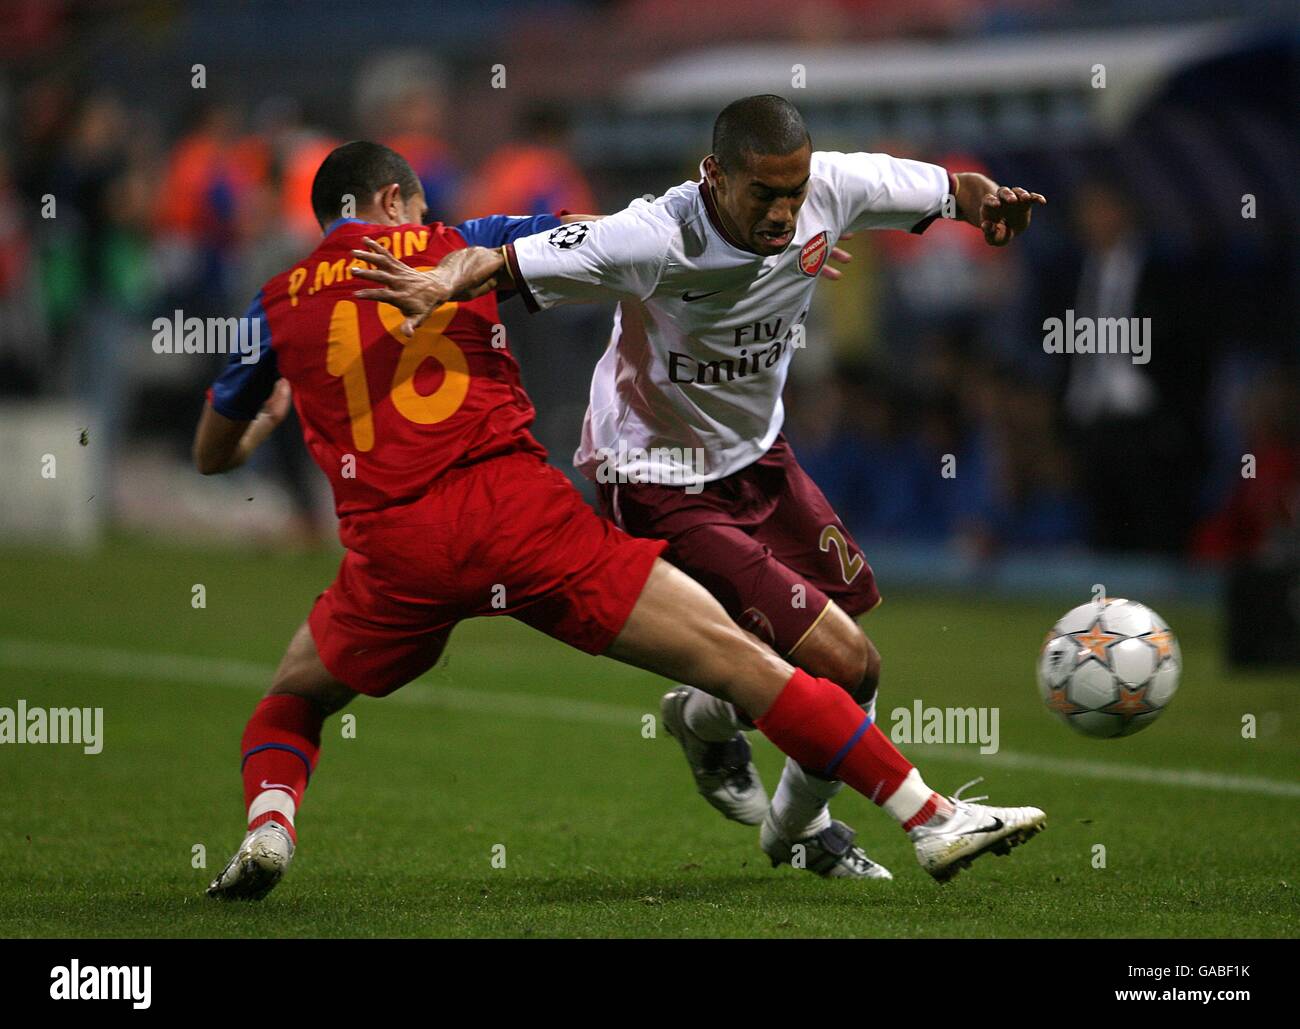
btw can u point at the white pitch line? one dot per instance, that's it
(82, 660)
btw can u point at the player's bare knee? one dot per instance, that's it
(848, 659)
(870, 681)
(852, 663)
(329, 696)
(302, 674)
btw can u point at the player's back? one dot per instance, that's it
(382, 414)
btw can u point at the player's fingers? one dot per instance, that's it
(386, 296)
(991, 200)
(374, 274)
(1005, 193)
(840, 255)
(1038, 198)
(377, 254)
(834, 274)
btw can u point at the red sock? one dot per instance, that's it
(281, 745)
(820, 726)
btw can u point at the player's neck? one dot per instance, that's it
(733, 233)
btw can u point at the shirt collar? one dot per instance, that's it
(340, 221)
(711, 210)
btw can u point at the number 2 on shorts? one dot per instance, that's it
(849, 567)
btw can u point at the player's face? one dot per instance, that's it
(762, 200)
(414, 209)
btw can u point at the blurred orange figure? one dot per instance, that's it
(535, 176)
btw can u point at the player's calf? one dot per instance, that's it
(280, 748)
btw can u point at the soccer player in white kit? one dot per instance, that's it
(683, 432)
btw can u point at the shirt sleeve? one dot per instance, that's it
(876, 191)
(609, 259)
(248, 379)
(499, 229)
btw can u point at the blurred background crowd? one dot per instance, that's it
(158, 156)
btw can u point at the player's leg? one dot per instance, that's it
(356, 640)
(834, 648)
(678, 630)
(805, 536)
(786, 609)
(280, 748)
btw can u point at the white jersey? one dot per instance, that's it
(689, 389)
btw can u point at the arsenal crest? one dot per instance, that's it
(813, 254)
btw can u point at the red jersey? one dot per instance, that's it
(383, 415)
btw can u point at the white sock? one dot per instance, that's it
(912, 796)
(278, 802)
(799, 806)
(709, 717)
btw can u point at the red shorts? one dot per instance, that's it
(764, 541)
(506, 536)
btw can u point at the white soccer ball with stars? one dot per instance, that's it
(1109, 668)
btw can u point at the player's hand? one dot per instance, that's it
(417, 294)
(840, 256)
(276, 408)
(1004, 215)
(273, 412)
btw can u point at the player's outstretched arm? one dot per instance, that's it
(221, 443)
(461, 275)
(1001, 212)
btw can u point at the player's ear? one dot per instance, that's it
(713, 171)
(389, 201)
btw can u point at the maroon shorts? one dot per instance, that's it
(506, 536)
(763, 540)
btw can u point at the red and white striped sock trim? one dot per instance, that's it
(273, 806)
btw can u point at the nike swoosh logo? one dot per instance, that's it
(688, 297)
(278, 786)
(997, 824)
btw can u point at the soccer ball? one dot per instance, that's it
(1109, 668)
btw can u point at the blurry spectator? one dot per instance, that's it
(1137, 429)
(533, 174)
(212, 174)
(1263, 510)
(943, 279)
(22, 328)
(400, 103)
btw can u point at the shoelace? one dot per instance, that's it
(957, 798)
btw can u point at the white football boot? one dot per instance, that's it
(973, 829)
(724, 772)
(257, 866)
(830, 853)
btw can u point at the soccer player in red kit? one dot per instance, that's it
(448, 510)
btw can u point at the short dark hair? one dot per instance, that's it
(757, 125)
(358, 169)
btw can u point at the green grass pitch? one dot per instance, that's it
(516, 742)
